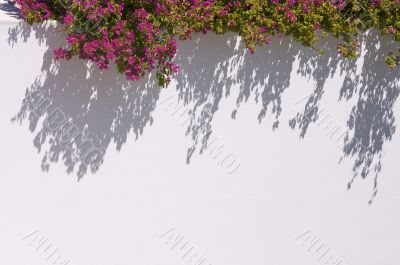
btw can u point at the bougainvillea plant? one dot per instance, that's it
(140, 36)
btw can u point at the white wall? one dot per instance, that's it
(282, 180)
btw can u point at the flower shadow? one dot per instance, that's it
(211, 68)
(103, 106)
(107, 107)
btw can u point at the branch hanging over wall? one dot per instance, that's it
(139, 36)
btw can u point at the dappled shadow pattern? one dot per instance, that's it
(104, 106)
(205, 80)
(210, 68)
(371, 122)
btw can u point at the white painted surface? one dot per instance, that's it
(284, 185)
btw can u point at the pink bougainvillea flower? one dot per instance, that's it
(140, 36)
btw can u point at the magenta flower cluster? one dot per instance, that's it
(140, 36)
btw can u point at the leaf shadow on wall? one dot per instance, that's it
(211, 68)
(89, 99)
(108, 107)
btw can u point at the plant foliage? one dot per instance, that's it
(140, 35)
